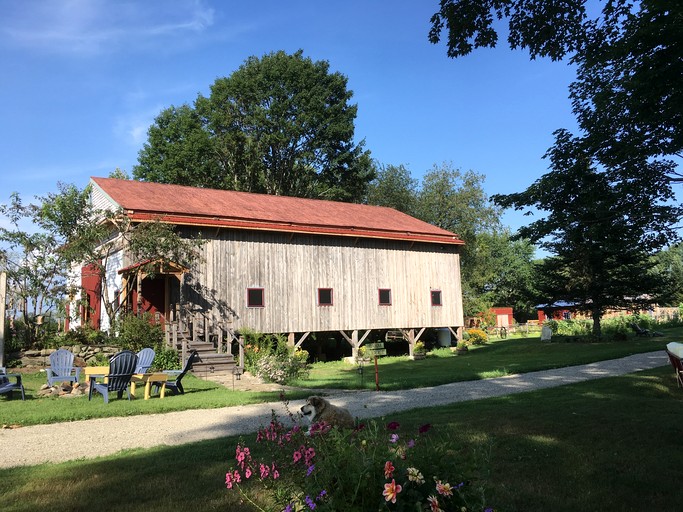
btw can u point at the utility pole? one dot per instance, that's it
(3, 295)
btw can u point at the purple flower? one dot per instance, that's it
(310, 470)
(393, 438)
(311, 504)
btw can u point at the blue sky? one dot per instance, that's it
(82, 80)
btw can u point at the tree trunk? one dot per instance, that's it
(597, 328)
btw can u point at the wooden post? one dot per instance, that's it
(3, 294)
(411, 341)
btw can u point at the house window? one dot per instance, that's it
(384, 297)
(436, 297)
(324, 296)
(255, 298)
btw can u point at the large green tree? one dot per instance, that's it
(394, 187)
(281, 124)
(628, 95)
(600, 228)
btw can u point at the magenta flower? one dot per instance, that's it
(394, 425)
(425, 428)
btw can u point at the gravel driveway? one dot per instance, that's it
(45, 443)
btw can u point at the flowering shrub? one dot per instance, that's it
(372, 467)
(282, 368)
(477, 336)
(270, 358)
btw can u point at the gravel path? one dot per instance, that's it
(91, 438)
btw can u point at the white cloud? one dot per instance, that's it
(89, 27)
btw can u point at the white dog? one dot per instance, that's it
(318, 409)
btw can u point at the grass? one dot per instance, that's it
(495, 359)
(608, 445)
(199, 394)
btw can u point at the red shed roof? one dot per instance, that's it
(242, 210)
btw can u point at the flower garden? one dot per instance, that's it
(376, 466)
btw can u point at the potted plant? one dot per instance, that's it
(461, 347)
(419, 350)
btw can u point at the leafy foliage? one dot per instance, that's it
(281, 124)
(600, 228)
(270, 358)
(138, 332)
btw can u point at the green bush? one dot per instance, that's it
(270, 358)
(138, 332)
(81, 335)
(166, 359)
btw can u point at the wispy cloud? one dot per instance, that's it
(89, 27)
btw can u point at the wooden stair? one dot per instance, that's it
(209, 362)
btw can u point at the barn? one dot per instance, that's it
(286, 265)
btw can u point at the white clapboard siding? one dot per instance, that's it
(291, 267)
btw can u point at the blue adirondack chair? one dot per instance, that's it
(121, 369)
(176, 385)
(6, 386)
(62, 367)
(145, 358)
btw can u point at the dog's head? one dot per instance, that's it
(313, 407)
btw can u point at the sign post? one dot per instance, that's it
(376, 350)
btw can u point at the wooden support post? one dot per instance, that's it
(240, 342)
(411, 341)
(290, 339)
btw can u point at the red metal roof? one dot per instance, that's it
(242, 210)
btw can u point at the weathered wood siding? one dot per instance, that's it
(292, 267)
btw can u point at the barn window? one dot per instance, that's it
(324, 296)
(436, 297)
(255, 298)
(384, 297)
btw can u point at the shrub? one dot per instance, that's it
(138, 332)
(383, 467)
(477, 336)
(81, 335)
(270, 358)
(166, 359)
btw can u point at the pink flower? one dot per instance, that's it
(297, 456)
(434, 504)
(444, 489)
(391, 491)
(310, 453)
(228, 480)
(388, 469)
(247, 473)
(265, 471)
(236, 476)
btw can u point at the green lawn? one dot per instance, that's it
(607, 445)
(199, 394)
(494, 359)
